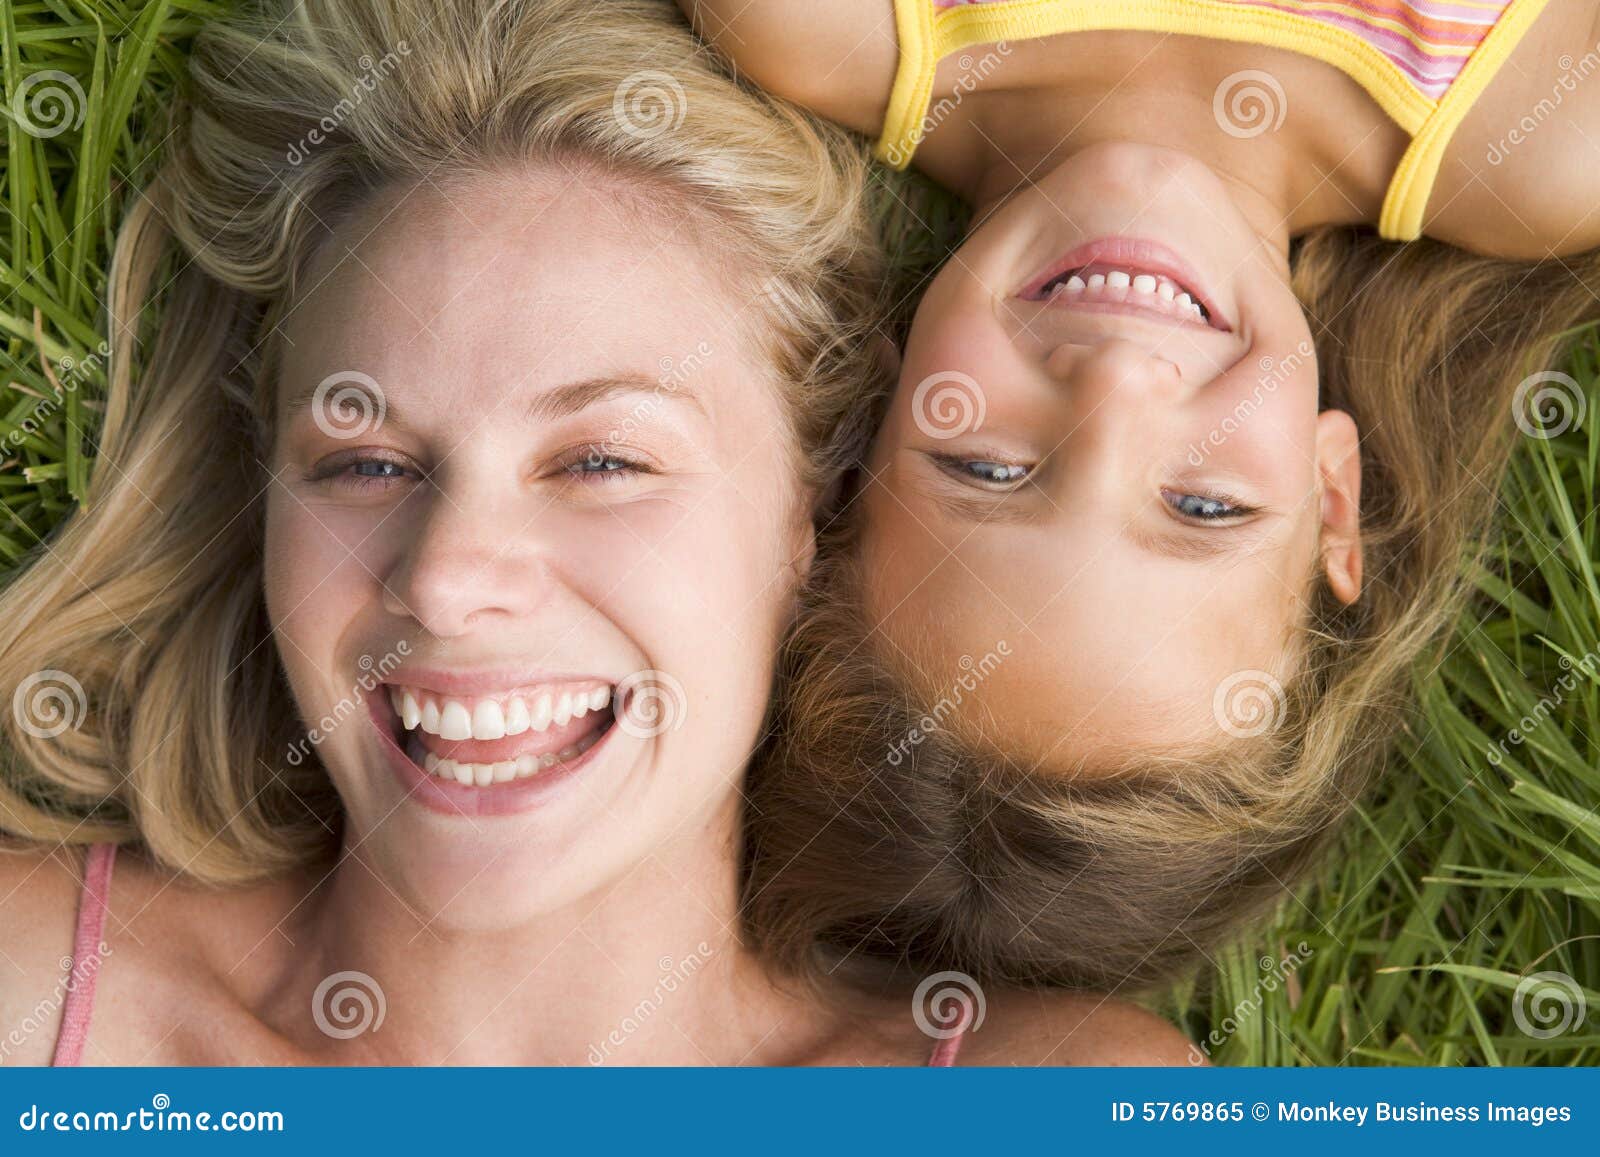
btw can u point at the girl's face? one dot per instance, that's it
(531, 472)
(1117, 489)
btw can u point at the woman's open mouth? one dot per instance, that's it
(492, 752)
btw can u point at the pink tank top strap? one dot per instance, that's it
(86, 957)
(944, 1053)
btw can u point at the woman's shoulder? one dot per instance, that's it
(835, 57)
(1042, 1028)
(172, 951)
(39, 889)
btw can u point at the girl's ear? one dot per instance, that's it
(1339, 472)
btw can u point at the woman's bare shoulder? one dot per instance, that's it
(39, 888)
(1071, 1028)
(835, 57)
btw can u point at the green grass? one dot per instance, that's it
(1458, 879)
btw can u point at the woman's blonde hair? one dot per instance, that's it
(149, 603)
(1131, 878)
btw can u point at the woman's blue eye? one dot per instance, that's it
(1204, 507)
(601, 465)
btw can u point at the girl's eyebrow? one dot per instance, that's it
(557, 402)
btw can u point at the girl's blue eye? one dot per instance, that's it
(1205, 507)
(985, 472)
(995, 473)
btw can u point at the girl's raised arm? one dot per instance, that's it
(835, 57)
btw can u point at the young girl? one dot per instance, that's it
(504, 352)
(1164, 509)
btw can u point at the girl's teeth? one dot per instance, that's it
(1163, 289)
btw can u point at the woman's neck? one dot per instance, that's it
(647, 969)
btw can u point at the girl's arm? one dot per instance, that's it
(835, 57)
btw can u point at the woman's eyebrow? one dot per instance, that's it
(548, 405)
(575, 397)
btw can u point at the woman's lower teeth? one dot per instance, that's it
(484, 774)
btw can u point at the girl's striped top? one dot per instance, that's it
(1423, 61)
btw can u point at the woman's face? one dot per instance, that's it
(1105, 467)
(562, 516)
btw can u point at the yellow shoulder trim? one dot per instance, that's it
(925, 39)
(1406, 202)
(913, 83)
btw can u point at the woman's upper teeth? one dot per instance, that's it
(1159, 288)
(450, 717)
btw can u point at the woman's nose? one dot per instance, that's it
(463, 567)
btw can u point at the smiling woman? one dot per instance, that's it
(475, 454)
